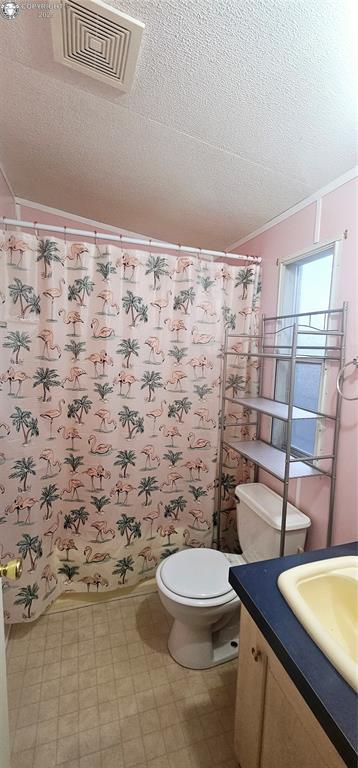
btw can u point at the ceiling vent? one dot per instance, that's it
(97, 40)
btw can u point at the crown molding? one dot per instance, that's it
(314, 198)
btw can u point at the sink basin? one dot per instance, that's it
(324, 597)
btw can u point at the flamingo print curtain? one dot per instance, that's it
(110, 390)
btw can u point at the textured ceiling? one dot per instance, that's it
(240, 108)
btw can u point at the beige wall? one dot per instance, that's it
(7, 200)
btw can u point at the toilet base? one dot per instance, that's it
(201, 647)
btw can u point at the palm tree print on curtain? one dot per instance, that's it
(110, 393)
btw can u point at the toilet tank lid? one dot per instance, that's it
(268, 505)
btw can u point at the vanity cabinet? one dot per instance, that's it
(274, 727)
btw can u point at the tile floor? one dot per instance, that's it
(95, 687)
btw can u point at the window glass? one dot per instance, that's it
(306, 395)
(306, 287)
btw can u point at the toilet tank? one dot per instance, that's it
(258, 514)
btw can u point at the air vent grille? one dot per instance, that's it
(97, 40)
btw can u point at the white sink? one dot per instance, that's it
(324, 597)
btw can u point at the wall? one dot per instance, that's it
(7, 200)
(42, 215)
(293, 234)
(28, 211)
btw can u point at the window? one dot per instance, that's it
(305, 286)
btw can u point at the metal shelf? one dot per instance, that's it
(271, 459)
(272, 408)
(277, 356)
(338, 311)
(281, 464)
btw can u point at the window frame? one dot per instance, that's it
(282, 262)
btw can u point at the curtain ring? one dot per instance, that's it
(36, 230)
(95, 238)
(150, 246)
(65, 234)
(4, 224)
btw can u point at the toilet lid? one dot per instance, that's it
(197, 573)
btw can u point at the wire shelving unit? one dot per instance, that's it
(286, 342)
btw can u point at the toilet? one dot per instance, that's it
(193, 584)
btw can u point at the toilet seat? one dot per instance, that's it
(199, 574)
(196, 577)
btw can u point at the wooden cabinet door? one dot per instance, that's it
(250, 698)
(291, 735)
(285, 741)
(274, 726)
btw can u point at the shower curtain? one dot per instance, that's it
(110, 394)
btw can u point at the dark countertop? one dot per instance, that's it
(331, 699)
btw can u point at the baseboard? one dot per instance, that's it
(71, 600)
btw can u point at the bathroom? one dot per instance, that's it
(178, 384)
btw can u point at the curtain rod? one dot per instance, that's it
(130, 240)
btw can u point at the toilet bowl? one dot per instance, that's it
(193, 584)
(193, 587)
